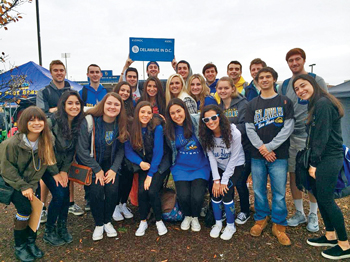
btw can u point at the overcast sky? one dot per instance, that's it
(204, 31)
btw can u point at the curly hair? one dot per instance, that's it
(61, 116)
(206, 135)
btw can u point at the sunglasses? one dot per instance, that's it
(207, 119)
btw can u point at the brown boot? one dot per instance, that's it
(280, 232)
(258, 227)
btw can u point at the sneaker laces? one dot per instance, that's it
(241, 216)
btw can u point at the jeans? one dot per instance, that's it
(277, 171)
(58, 208)
(191, 196)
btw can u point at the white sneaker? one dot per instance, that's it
(142, 229)
(43, 217)
(109, 229)
(228, 232)
(98, 233)
(215, 231)
(162, 230)
(186, 223)
(117, 216)
(195, 226)
(126, 211)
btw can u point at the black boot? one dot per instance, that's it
(33, 249)
(51, 236)
(63, 232)
(21, 235)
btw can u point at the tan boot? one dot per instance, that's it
(258, 227)
(280, 232)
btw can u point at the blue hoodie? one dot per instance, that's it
(93, 96)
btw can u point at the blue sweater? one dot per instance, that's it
(190, 163)
(157, 150)
(208, 100)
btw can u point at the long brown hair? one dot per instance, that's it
(98, 111)
(136, 130)
(45, 148)
(318, 93)
(128, 103)
(160, 96)
(170, 125)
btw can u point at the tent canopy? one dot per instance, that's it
(26, 80)
(342, 92)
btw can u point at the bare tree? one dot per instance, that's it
(8, 12)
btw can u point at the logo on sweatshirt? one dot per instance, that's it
(268, 116)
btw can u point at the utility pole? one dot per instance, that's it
(38, 31)
(312, 67)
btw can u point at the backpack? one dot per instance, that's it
(286, 82)
(84, 95)
(342, 189)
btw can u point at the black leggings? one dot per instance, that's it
(125, 184)
(191, 196)
(103, 199)
(228, 197)
(323, 189)
(22, 204)
(150, 197)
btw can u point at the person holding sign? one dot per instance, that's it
(24, 159)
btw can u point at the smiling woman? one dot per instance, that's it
(110, 122)
(190, 167)
(23, 161)
(147, 150)
(175, 87)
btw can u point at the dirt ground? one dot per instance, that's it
(177, 245)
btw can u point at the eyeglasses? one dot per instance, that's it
(207, 119)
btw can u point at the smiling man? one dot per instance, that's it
(94, 91)
(210, 72)
(234, 70)
(47, 97)
(253, 89)
(296, 59)
(269, 123)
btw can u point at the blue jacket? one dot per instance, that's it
(93, 96)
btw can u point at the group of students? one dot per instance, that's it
(205, 142)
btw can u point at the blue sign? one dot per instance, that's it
(151, 49)
(106, 73)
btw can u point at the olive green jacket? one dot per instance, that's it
(16, 164)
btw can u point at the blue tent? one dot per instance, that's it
(342, 92)
(25, 81)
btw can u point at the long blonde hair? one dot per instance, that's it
(204, 92)
(45, 148)
(168, 95)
